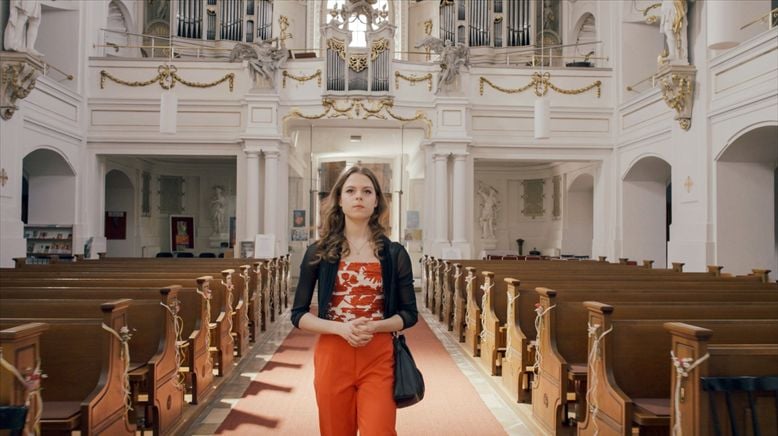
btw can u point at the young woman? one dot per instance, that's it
(365, 293)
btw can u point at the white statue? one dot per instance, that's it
(488, 211)
(452, 58)
(263, 58)
(673, 26)
(24, 18)
(218, 208)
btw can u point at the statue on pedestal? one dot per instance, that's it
(673, 26)
(218, 209)
(452, 58)
(489, 206)
(24, 18)
(263, 58)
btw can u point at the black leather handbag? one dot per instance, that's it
(408, 381)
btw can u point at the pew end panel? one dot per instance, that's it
(199, 346)
(515, 375)
(738, 361)
(473, 312)
(20, 347)
(550, 378)
(105, 410)
(606, 402)
(492, 332)
(166, 396)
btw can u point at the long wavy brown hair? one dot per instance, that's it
(333, 244)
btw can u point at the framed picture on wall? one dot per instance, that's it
(299, 234)
(246, 249)
(298, 218)
(181, 232)
(115, 225)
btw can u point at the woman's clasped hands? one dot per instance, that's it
(358, 332)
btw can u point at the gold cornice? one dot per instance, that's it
(359, 109)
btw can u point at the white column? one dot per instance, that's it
(271, 193)
(252, 193)
(458, 199)
(441, 197)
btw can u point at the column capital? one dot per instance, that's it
(271, 154)
(449, 146)
(440, 156)
(461, 155)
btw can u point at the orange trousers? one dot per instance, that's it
(354, 386)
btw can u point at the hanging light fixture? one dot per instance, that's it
(542, 104)
(168, 112)
(168, 103)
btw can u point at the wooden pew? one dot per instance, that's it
(458, 325)
(85, 387)
(473, 312)
(19, 384)
(251, 267)
(563, 335)
(637, 350)
(537, 276)
(493, 318)
(239, 295)
(727, 358)
(155, 360)
(197, 364)
(219, 309)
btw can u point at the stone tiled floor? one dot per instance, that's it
(515, 418)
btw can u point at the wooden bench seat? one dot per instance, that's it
(220, 313)
(154, 366)
(519, 327)
(636, 350)
(564, 334)
(21, 349)
(725, 360)
(84, 365)
(193, 311)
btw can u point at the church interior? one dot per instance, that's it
(626, 145)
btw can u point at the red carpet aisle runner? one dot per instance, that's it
(280, 399)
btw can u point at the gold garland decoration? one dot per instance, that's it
(316, 75)
(356, 107)
(167, 77)
(542, 83)
(412, 79)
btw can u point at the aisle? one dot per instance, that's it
(279, 399)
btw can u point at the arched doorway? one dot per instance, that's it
(51, 189)
(644, 211)
(746, 202)
(579, 217)
(119, 215)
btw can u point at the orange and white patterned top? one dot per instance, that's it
(358, 292)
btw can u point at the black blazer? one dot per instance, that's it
(396, 272)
